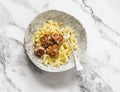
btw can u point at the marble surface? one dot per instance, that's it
(101, 62)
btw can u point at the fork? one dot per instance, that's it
(79, 67)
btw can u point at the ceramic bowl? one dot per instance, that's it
(66, 19)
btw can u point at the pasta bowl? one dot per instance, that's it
(64, 18)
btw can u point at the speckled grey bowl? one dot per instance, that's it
(66, 19)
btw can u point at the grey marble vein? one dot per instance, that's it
(17, 41)
(99, 23)
(6, 18)
(96, 18)
(14, 24)
(95, 63)
(4, 45)
(90, 81)
(25, 3)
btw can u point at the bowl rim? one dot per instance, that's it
(50, 70)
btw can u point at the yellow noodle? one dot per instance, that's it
(51, 27)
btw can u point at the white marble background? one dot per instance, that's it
(100, 18)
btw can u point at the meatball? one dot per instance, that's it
(58, 38)
(39, 51)
(52, 51)
(46, 41)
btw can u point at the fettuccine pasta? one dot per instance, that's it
(50, 27)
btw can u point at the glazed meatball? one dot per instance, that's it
(39, 51)
(46, 41)
(58, 38)
(52, 51)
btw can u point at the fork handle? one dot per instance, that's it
(79, 67)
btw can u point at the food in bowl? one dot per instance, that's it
(51, 45)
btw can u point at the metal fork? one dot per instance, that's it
(77, 62)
